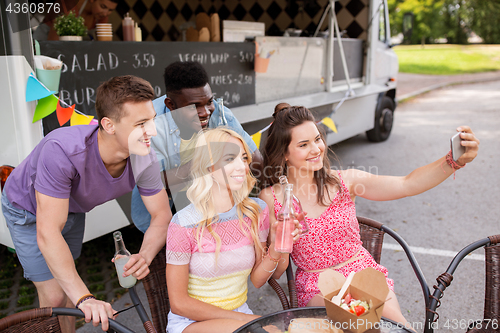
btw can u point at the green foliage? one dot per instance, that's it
(93, 261)
(484, 20)
(24, 282)
(24, 309)
(4, 305)
(450, 19)
(70, 25)
(94, 269)
(427, 24)
(25, 300)
(119, 293)
(448, 59)
(96, 287)
(6, 284)
(6, 274)
(25, 290)
(95, 278)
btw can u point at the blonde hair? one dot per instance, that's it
(209, 150)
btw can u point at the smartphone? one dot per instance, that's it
(457, 149)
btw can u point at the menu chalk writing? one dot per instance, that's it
(87, 64)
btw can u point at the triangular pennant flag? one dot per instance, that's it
(64, 114)
(35, 89)
(256, 138)
(80, 119)
(45, 107)
(328, 122)
(94, 122)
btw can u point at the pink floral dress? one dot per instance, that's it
(332, 239)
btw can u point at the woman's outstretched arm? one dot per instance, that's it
(382, 188)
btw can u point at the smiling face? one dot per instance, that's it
(136, 127)
(306, 149)
(101, 9)
(201, 97)
(232, 168)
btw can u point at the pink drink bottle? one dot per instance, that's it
(284, 239)
(297, 207)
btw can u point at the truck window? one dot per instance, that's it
(382, 35)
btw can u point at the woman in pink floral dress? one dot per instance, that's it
(296, 148)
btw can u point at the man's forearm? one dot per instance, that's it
(61, 264)
(154, 239)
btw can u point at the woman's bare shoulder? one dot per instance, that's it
(266, 194)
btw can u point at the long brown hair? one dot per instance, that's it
(287, 117)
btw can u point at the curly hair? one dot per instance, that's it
(209, 149)
(287, 117)
(184, 75)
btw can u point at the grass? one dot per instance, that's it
(448, 59)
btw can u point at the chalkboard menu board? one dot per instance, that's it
(88, 64)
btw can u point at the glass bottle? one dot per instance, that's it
(121, 258)
(297, 207)
(284, 240)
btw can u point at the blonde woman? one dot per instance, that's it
(216, 242)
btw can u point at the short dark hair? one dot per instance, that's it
(118, 90)
(184, 75)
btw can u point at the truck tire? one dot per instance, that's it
(384, 117)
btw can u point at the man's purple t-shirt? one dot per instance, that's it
(67, 164)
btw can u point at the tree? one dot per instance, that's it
(456, 21)
(428, 23)
(484, 19)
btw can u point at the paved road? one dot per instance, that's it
(447, 217)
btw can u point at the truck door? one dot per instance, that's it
(385, 62)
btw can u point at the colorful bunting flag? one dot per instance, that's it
(45, 107)
(94, 122)
(328, 122)
(35, 89)
(64, 114)
(80, 119)
(256, 138)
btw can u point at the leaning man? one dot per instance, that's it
(72, 170)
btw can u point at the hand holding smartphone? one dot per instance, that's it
(457, 149)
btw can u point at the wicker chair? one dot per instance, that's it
(44, 320)
(491, 317)
(372, 236)
(155, 285)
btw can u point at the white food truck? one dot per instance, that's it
(352, 81)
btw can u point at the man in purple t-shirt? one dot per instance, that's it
(72, 170)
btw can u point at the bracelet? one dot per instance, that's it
(83, 299)
(268, 255)
(271, 271)
(452, 163)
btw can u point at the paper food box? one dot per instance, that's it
(368, 285)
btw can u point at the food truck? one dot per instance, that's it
(347, 78)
